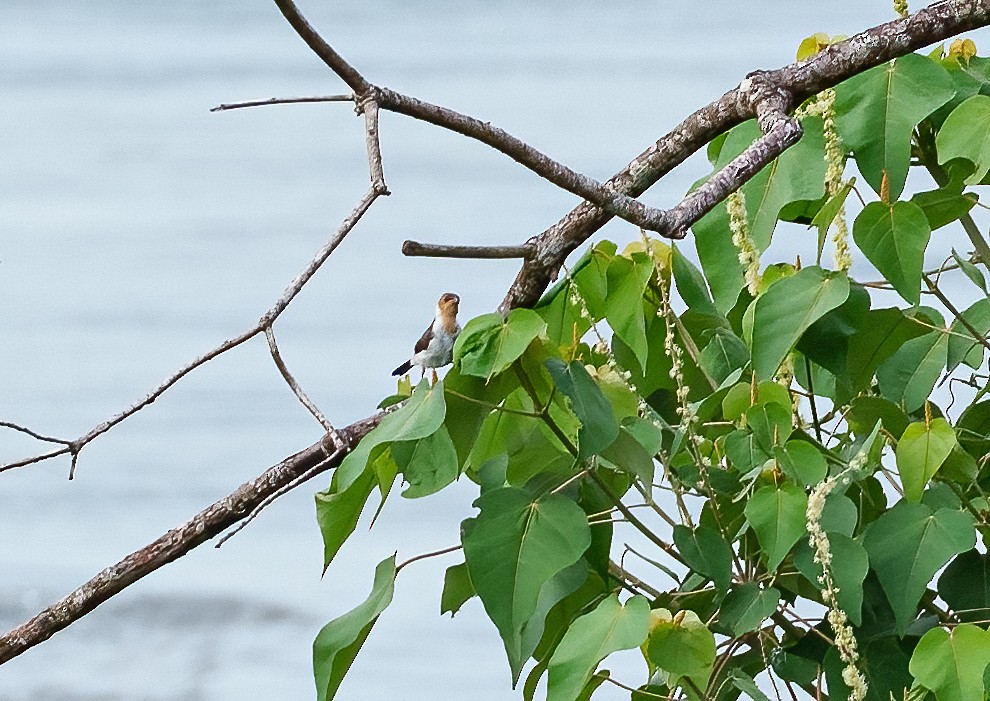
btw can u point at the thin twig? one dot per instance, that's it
(296, 389)
(280, 101)
(631, 517)
(35, 459)
(33, 434)
(264, 322)
(423, 556)
(321, 466)
(636, 692)
(619, 572)
(977, 336)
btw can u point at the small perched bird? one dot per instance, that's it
(436, 347)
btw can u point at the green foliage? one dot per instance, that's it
(777, 515)
(921, 450)
(893, 237)
(879, 109)
(513, 549)
(612, 626)
(966, 134)
(786, 310)
(952, 663)
(665, 461)
(338, 643)
(908, 545)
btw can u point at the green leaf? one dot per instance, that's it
(557, 622)
(724, 354)
(951, 663)
(464, 417)
(787, 309)
(591, 638)
(591, 279)
(706, 552)
(802, 462)
(429, 464)
(457, 589)
(770, 424)
(971, 271)
(598, 425)
(963, 347)
(747, 606)
(778, 518)
(827, 214)
(746, 685)
(681, 645)
(909, 375)
(744, 452)
(966, 134)
(973, 429)
(798, 174)
(421, 416)
(894, 238)
(629, 455)
(338, 643)
(691, 284)
(627, 278)
(849, 567)
(490, 343)
(876, 112)
(338, 512)
(866, 410)
(908, 545)
(965, 586)
(513, 548)
(920, 452)
(882, 333)
(943, 206)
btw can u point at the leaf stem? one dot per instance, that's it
(423, 556)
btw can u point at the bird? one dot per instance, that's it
(436, 347)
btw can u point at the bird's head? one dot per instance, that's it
(448, 304)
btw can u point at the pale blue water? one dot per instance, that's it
(138, 230)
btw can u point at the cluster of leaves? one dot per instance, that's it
(703, 434)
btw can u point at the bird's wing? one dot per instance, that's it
(423, 343)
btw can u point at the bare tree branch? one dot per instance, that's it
(355, 81)
(369, 106)
(36, 436)
(35, 459)
(178, 541)
(433, 250)
(297, 390)
(319, 467)
(223, 107)
(802, 80)
(267, 319)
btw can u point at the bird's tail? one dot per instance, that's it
(402, 369)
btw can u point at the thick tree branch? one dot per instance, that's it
(826, 69)
(177, 542)
(355, 81)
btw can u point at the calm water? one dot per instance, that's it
(137, 230)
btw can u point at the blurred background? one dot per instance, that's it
(138, 230)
